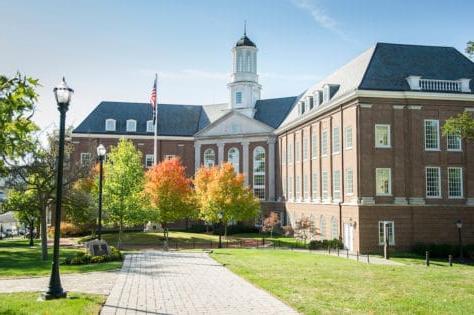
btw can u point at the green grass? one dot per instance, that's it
(315, 284)
(26, 303)
(17, 259)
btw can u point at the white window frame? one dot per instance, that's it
(325, 185)
(259, 187)
(322, 227)
(457, 138)
(297, 151)
(169, 157)
(290, 153)
(129, 127)
(437, 134)
(150, 127)
(234, 159)
(389, 193)
(389, 140)
(347, 136)
(314, 186)
(112, 121)
(391, 241)
(84, 159)
(324, 143)
(336, 185)
(305, 148)
(314, 145)
(348, 182)
(439, 182)
(336, 140)
(305, 187)
(450, 196)
(298, 187)
(149, 157)
(208, 162)
(290, 188)
(238, 97)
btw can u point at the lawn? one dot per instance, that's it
(27, 303)
(315, 284)
(17, 259)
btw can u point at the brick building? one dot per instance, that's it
(360, 149)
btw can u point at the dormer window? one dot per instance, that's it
(110, 125)
(317, 98)
(238, 98)
(326, 93)
(131, 125)
(311, 102)
(301, 107)
(149, 126)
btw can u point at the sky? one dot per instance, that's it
(111, 49)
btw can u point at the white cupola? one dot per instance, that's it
(243, 86)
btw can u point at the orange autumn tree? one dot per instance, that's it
(221, 192)
(169, 193)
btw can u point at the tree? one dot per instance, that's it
(470, 48)
(123, 186)
(27, 208)
(80, 206)
(223, 197)
(270, 222)
(169, 193)
(462, 125)
(17, 99)
(304, 228)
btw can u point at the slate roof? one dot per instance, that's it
(273, 111)
(245, 41)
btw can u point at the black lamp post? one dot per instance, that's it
(220, 216)
(101, 154)
(459, 226)
(63, 95)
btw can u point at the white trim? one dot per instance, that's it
(134, 125)
(462, 183)
(398, 106)
(110, 120)
(393, 232)
(152, 129)
(453, 150)
(415, 107)
(389, 182)
(438, 148)
(389, 139)
(365, 105)
(119, 136)
(147, 156)
(439, 196)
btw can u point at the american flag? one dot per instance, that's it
(153, 99)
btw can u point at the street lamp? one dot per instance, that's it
(220, 216)
(63, 94)
(101, 154)
(459, 226)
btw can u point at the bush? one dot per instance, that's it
(198, 228)
(443, 250)
(288, 230)
(68, 230)
(82, 258)
(237, 229)
(325, 244)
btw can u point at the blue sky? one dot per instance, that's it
(110, 50)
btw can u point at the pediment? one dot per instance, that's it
(234, 123)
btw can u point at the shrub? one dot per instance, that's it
(325, 244)
(68, 230)
(198, 228)
(288, 230)
(442, 250)
(98, 259)
(82, 258)
(237, 229)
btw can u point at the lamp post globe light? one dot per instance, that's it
(63, 94)
(459, 226)
(101, 155)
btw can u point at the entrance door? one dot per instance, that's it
(348, 236)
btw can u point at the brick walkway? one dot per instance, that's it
(156, 282)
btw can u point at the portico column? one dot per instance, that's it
(220, 152)
(245, 161)
(271, 169)
(197, 155)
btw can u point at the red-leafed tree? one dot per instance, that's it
(169, 193)
(270, 222)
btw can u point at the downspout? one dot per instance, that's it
(342, 174)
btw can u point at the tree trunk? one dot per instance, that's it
(44, 234)
(120, 234)
(31, 227)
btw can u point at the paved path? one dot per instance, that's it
(156, 282)
(91, 282)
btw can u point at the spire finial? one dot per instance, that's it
(245, 27)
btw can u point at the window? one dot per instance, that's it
(455, 182)
(233, 157)
(314, 145)
(326, 93)
(284, 184)
(259, 172)
(301, 107)
(334, 234)
(390, 231)
(209, 158)
(325, 185)
(86, 159)
(382, 136)
(290, 153)
(336, 184)
(298, 188)
(322, 227)
(131, 125)
(454, 142)
(305, 187)
(290, 187)
(110, 125)
(383, 181)
(297, 151)
(433, 182)
(305, 148)
(150, 127)
(348, 138)
(149, 160)
(238, 97)
(314, 185)
(169, 156)
(324, 143)
(431, 134)
(336, 140)
(311, 102)
(348, 181)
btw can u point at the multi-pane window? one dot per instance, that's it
(131, 125)
(348, 138)
(334, 234)
(322, 227)
(325, 185)
(149, 160)
(389, 226)
(110, 125)
(149, 126)
(454, 142)
(433, 182)
(305, 148)
(209, 158)
(169, 156)
(284, 183)
(336, 140)
(290, 153)
(455, 179)
(86, 158)
(298, 187)
(238, 97)
(259, 172)
(431, 134)
(348, 181)
(314, 145)
(324, 143)
(305, 187)
(314, 185)
(382, 136)
(336, 184)
(290, 187)
(383, 181)
(297, 151)
(233, 157)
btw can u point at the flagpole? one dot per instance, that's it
(155, 159)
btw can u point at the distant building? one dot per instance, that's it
(360, 149)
